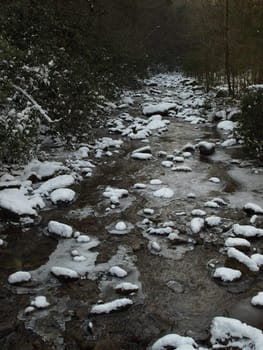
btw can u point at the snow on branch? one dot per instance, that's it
(35, 104)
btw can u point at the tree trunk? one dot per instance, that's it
(227, 51)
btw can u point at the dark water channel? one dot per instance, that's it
(177, 292)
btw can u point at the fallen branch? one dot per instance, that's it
(35, 104)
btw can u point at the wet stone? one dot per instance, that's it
(175, 286)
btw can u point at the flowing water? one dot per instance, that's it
(177, 293)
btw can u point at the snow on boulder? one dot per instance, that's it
(42, 170)
(160, 108)
(83, 239)
(15, 201)
(211, 204)
(126, 288)
(62, 195)
(64, 273)
(164, 192)
(243, 259)
(19, 277)
(229, 142)
(237, 242)
(258, 258)
(111, 306)
(117, 272)
(114, 194)
(60, 229)
(197, 224)
(156, 122)
(229, 333)
(226, 274)
(121, 226)
(40, 302)
(247, 231)
(252, 208)
(206, 148)
(198, 212)
(226, 125)
(155, 182)
(213, 220)
(215, 180)
(167, 164)
(60, 181)
(182, 169)
(141, 156)
(257, 300)
(173, 341)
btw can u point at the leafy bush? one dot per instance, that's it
(251, 121)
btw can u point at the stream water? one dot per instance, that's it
(177, 291)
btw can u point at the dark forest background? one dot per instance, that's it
(90, 49)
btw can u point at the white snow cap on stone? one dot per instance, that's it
(60, 229)
(247, 231)
(19, 277)
(127, 286)
(156, 182)
(173, 341)
(226, 274)
(242, 258)
(120, 226)
(83, 239)
(257, 300)
(215, 180)
(158, 108)
(254, 208)
(197, 224)
(237, 242)
(164, 192)
(198, 212)
(117, 271)
(258, 258)
(114, 305)
(40, 302)
(60, 181)
(213, 220)
(17, 202)
(65, 195)
(64, 272)
(231, 332)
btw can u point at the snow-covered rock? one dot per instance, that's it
(141, 156)
(121, 226)
(139, 186)
(160, 108)
(226, 274)
(64, 273)
(215, 180)
(17, 202)
(213, 220)
(60, 181)
(258, 258)
(42, 170)
(155, 182)
(19, 277)
(252, 208)
(83, 239)
(197, 224)
(230, 333)
(126, 288)
(167, 164)
(40, 302)
(117, 271)
(115, 194)
(114, 305)
(237, 242)
(198, 212)
(247, 231)
(257, 300)
(173, 341)
(60, 229)
(182, 168)
(226, 125)
(243, 258)
(62, 195)
(211, 204)
(164, 192)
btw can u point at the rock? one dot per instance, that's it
(206, 148)
(175, 286)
